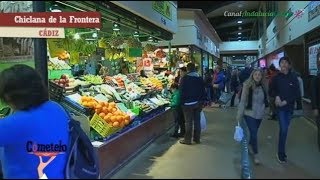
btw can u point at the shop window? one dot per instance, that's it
(15, 50)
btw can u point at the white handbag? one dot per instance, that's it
(238, 133)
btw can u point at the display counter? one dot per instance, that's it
(117, 151)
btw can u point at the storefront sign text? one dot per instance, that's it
(52, 19)
(313, 10)
(32, 32)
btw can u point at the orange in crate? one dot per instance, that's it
(102, 127)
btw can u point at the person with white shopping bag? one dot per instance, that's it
(193, 95)
(252, 109)
(203, 121)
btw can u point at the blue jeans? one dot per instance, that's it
(284, 122)
(209, 93)
(253, 126)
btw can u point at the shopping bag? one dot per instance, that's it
(238, 133)
(203, 121)
(225, 97)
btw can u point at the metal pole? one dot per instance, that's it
(40, 46)
(170, 57)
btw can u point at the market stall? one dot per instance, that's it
(196, 41)
(94, 74)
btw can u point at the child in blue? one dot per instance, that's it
(35, 136)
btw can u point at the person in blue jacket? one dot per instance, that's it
(35, 136)
(286, 90)
(219, 83)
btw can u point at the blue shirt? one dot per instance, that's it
(37, 128)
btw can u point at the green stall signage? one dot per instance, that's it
(163, 7)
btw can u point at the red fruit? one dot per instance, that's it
(63, 76)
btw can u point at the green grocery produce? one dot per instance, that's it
(93, 79)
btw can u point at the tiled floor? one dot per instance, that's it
(218, 156)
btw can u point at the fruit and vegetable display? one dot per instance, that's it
(64, 55)
(93, 79)
(110, 113)
(56, 64)
(65, 81)
(102, 97)
(152, 82)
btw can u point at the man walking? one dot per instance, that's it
(193, 95)
(286, 89)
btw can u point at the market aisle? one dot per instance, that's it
(218, 156)
(302, 152)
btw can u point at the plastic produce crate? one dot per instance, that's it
(102, 128)
(55, 92)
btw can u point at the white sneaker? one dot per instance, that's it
(256, 159)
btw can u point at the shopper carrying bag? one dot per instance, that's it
(203, 121)
(252, 108)
(238, 133)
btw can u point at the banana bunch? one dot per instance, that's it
(89, 48)
(150, 48)
(156, 82)
(133, 43)
(116, 41)
(102, 43)
(74, 57)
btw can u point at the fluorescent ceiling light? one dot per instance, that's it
(136, 34)
(239, 22)
(240, 28)
(55, 8)
(239, 33)
(150, 39)
(239, 40)
(116, 27)
(239, 37)
(233, 56)
(76, 36)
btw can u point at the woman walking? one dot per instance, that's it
(252, 108)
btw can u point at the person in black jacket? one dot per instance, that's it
(208, 79)
(315, 97)
(234, 86)
(286, 90)
(193, 95)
